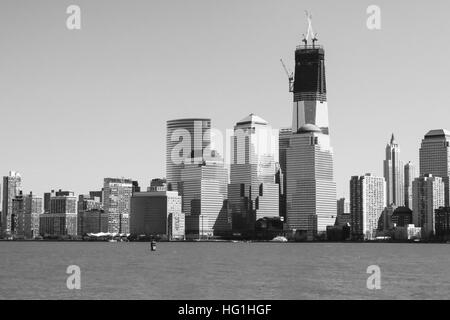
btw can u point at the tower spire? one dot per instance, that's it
(310, 32)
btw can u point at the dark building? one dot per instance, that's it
(442, 223)
(402, 217)
(268, 228)
(92, 221)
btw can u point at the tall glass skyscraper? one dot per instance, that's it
(310, 185)
(252, 192)
(435, 157)
(186, 140)
(393, 174)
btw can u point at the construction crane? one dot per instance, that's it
(290, 76)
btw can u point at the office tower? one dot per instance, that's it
(158, 185)
(92, 220)
(343, 212)
(434, 157)
(11, 187)
(310, 186)
(47, 196)
(309, 87)
(311, 189)
(283, 144)
(402, 217)
(33, 208)
(393, 174)
(409, 175)
(203, 189)
(428, 195)
(442, 223)
(186, 141)
(97, 194)
(157, 213)
(117, 193)
(252, 192)
(87, 202)
(62, 218)
(20, 224)
(367, 202)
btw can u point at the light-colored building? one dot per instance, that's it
(367, 203)
(311, 189)
(393, 174)
(34, 208)
(11, 187)
(409, 175)
(62, 218)
(157, 213)
(204, 192)
(252, 192)
(435, 157)
(117, 194)
(186, 141)
(428, 195)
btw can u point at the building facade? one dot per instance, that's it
(367, 203)
(428, 195)
(311, 189)
(435, 157)
(343, 212)
(62, 218)
(253, 193)
(393, 174)
(11, 188)
(186, 141)
(157, 213)
(117, 194)
(409, 175)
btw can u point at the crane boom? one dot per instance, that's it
(290, 76)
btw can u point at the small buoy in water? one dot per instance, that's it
(153, 245)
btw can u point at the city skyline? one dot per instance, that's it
(140, 82)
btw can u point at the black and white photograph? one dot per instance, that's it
(223, 155)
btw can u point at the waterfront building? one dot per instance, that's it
(33, 208)
(367, 202)
(311, 189)
(92, 220)
(283, 144)
(253, 193)
(20, 221)
(409, 175)
(435, 157)
(11, 187)
(428, 195)
(393, 174)
(117, 194)
(204, 193)
(186, 141)
(157, 213)
(343, 212)
(62, 218)
(442, 223)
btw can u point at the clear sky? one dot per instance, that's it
(78, 106)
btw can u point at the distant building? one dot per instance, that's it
(158, 185)
(393, 174)
(92, 221)
(11, 187)
(252, 191)
(186, 142)
(311, 189)
(409, 175)
(402, 217)
(428, 195)
(20, 221)
(435, 156)
(283, 145)
(157, 213)
(117, 194)
(442, 223)
(62, 218)
(343, 212)
(367, 202)
(33, 208)
(204, 194)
